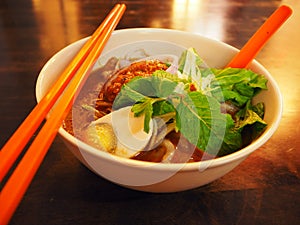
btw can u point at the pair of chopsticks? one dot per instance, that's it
(74, 75)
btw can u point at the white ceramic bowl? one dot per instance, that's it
(159, 177)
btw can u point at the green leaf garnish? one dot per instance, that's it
(197, 113)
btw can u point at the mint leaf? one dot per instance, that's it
(156, 86)
(259, 109)
(250, 118)
(235, 97)
(162, 107)
(197, 114)
(237, 85)
(162, 86)
(130, 94)
(232, 138)
(199, 119)
(147, 95)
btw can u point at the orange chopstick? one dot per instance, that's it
(13, 147)
(19, 181)
(261, 36)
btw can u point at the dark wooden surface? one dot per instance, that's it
(264, 189)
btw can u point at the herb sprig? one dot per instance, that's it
(196, 113)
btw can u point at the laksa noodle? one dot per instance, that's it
(179, 109)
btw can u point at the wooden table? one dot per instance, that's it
(264, 189)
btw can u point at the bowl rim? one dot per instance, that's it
(191, 166)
